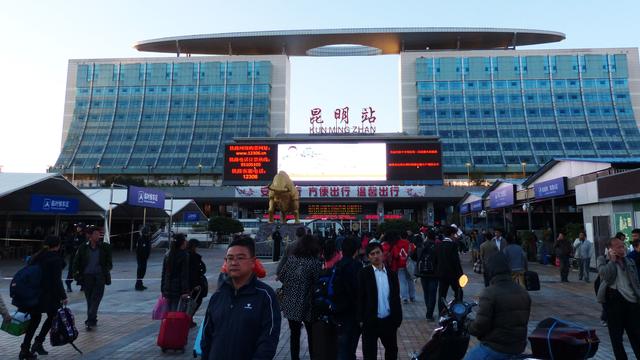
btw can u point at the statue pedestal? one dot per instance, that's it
(264, 242)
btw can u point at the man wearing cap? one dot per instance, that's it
(92, 268)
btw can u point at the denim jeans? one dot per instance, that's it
(407, 286)
(430, 291)
(483, 352)
(348, 336)
(584, 269)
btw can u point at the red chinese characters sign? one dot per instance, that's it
(249, 162)
(341, 123)
(334, 209)
(366, 191)
(411, 161)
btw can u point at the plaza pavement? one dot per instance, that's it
(126, 331)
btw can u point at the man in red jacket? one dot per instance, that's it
(399, 261)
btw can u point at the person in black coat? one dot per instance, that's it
(71, 245)
(197, 280)
(143, 251)
(379, 310)
(175, 273)
(51, 297)
(346, 290)
(447, 265)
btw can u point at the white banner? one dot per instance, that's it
(319, 192)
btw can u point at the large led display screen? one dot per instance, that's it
(250, 162)
(333, 161)
(414, 161)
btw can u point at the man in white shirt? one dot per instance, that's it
(500, 242)
(379, 309)
(583, 251)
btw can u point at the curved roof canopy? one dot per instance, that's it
(348, 42)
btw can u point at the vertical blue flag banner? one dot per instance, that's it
(145, 197)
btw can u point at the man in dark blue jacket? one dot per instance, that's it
(243, 317)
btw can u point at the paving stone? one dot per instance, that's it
(126, 330)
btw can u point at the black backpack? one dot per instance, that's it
(324, 295)
(425, 266)
(63, 329)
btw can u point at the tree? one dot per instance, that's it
(222, 225)
(572, 230)
(123, 180)
(477, 177)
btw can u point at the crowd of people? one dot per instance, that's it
(340, 289)
(370, 277)
(343, 290)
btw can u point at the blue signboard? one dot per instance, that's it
(476, 205)
(550, 188)
(502, 197)
(53, 204)
(145, 197)
(464, 208)
(191, 216)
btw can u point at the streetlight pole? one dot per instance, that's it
(98, 176)
(199, 173)
(468, 165)
(148, 173)
(524, 165)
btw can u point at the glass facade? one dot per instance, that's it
(496, 113)
(167, 116)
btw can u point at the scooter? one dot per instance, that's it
(451, 339)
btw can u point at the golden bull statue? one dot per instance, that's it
(284, 196)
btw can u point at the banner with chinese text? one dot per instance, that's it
(317, 192)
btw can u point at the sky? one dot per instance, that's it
(39, 38)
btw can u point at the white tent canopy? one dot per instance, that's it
(180, 206)
(16, 190)
(103, 197)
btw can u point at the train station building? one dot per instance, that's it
(491, 107)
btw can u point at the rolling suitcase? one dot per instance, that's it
(174, 331)
(531, 281)
(558, 339)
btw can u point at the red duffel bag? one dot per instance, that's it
(559, 339)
